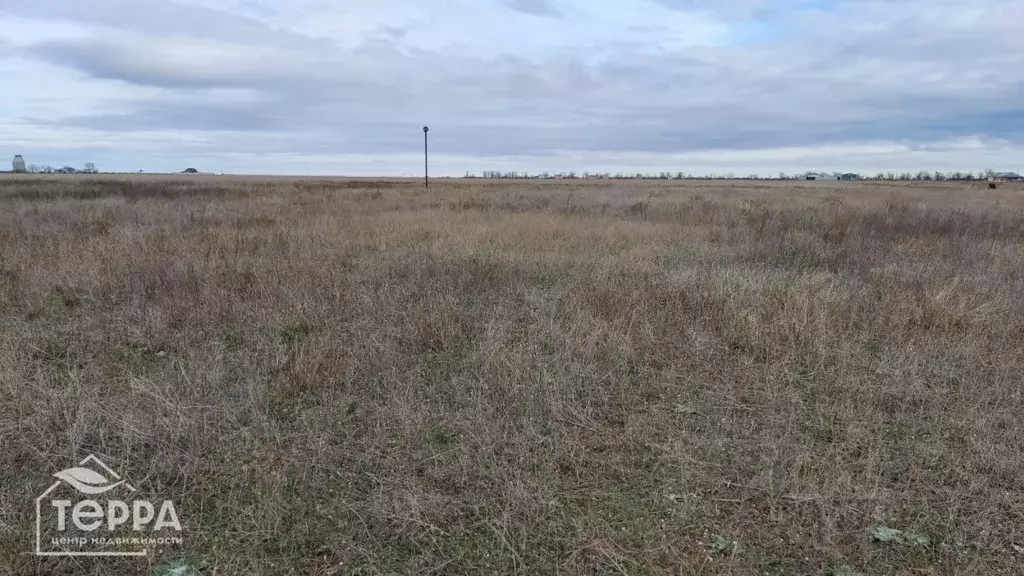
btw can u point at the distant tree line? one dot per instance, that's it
(89, 168)
(919, 176)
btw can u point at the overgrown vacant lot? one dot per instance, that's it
(362, 377)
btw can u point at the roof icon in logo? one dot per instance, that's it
(90, 480)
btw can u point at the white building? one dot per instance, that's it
(19, 164)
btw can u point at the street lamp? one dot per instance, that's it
(426, 166)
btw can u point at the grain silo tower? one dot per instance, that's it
(19, 164)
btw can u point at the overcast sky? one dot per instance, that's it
(700, 86)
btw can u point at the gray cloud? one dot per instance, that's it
(159, 17)
(664, 103)
(755, 9)
(535, 7)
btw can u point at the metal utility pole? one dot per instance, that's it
(426, 166)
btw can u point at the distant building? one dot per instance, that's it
(1006, 177)
(816, 176)
(19, 164)
(849, 177)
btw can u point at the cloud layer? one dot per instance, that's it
(692, 85)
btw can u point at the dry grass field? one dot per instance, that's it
(363, 377)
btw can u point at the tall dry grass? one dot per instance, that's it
(363, 377)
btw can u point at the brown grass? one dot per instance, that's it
(337, 377)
